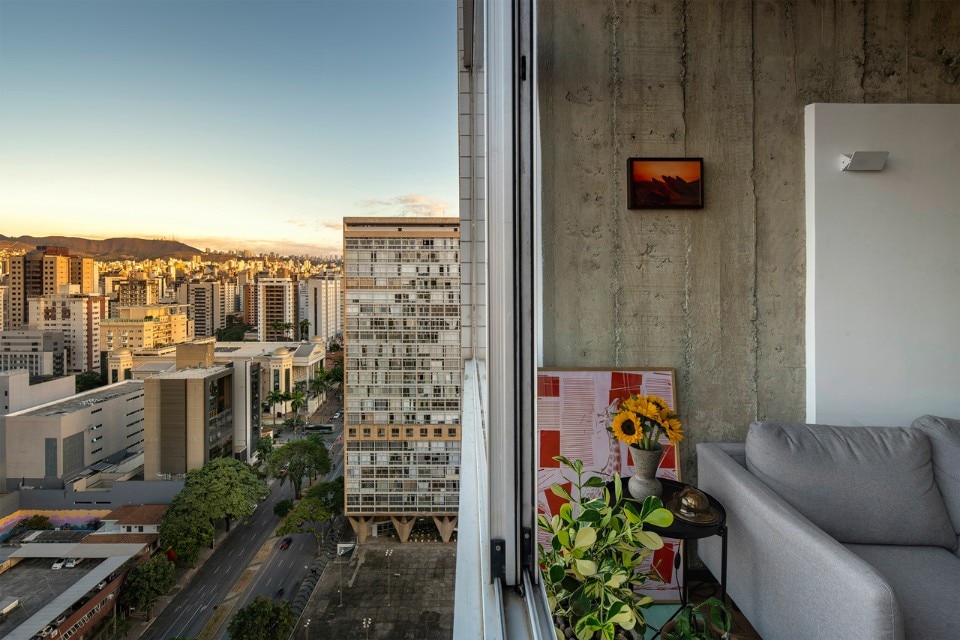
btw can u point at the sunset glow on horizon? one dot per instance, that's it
(257, 124)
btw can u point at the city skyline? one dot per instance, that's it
(249, 124)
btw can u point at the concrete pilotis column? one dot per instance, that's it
(403, 525)
(361, 526)
(445, 525)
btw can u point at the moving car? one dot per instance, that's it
(285, 543)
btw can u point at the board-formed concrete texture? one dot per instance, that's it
(717, 293)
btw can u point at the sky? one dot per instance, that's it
(254, 124)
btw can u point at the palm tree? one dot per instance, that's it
(274, 398)
(298, 401)
(304, 329)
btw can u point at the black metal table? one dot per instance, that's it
(684, 531)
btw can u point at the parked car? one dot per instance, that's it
(73, 562)
(59, 563)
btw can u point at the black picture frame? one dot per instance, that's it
(665, 183)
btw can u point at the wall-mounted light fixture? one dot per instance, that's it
(864, 161)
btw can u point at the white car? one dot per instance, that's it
(336, 415)
(59, 563)
(73, 562)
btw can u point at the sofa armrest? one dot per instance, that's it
(789, 578)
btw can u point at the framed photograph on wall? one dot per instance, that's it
(574, 409)
(665, 183)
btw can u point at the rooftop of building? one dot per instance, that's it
(193, 373)
(83, 401)
(135, 514)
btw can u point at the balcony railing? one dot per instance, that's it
(486, 608)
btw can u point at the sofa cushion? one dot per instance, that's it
(944, 436)
(868, 485)
(927, 583)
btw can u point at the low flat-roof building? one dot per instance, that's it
(62, 438)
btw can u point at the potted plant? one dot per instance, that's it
(708, 620)
(591, 568)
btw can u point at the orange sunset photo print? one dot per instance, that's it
(665, 183)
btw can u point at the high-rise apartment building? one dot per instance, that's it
(207, 306)
(77, 316)
(321, 305)
(139, 293)
(146, 327)
(402, 372)
(248, 301)
(36, 273)
(4, 308)
(276, 309)
(83, 273)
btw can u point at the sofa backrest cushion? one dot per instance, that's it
(861, 485)
(944, 436)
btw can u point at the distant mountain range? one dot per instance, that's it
(109, 249)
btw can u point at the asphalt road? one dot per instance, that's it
(192, 608)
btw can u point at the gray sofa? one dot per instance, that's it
(841, 532)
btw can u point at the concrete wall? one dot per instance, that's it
(716, 293)
(883, 270)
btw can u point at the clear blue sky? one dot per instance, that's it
(225, 123)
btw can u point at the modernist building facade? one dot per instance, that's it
(402, 371)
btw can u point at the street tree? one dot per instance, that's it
(330, 495)
(296, 459)
(185, 528)
(309, 516)
(227, 489)
(282, 508)
(263, 619)
(146, 582)
(264, 449)
(304, 329)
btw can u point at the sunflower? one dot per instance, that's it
(626, 427)
(674, 432)
(641, 420)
